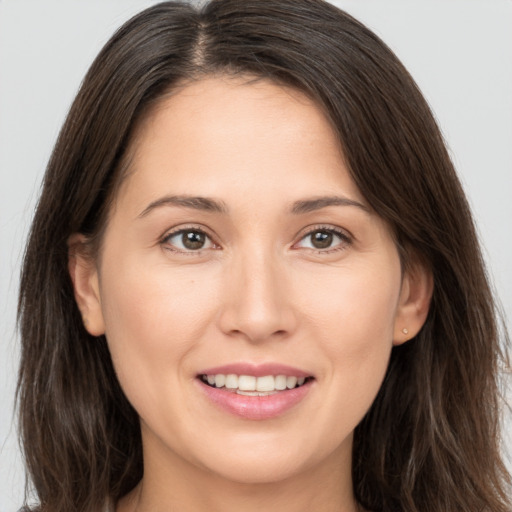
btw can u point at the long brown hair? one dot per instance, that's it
(431, 439)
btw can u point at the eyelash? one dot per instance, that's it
(342, 235)
(345, 238)
(181, 231)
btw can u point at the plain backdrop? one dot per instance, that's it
(459, 52)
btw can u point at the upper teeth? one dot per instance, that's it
(252, 383)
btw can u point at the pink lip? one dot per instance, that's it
(255, 407)
(258, 370)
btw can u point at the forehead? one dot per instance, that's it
(225, 135)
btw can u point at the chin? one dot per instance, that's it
(252, 471)
(268, 461)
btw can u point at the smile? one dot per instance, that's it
(250, 385)
(255, 392)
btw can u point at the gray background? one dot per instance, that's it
(459, 51)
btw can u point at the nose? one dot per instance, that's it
(256, 303)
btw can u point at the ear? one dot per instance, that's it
(414, 302)
(84, 276)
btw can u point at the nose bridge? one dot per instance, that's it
(256, 305)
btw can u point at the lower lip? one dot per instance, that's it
(255, 407)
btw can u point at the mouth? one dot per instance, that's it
(255, 392)
(251, 385)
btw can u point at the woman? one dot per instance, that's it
(261, 284)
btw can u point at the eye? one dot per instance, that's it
(324, 239)
(188, 240)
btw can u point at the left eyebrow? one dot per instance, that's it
(193, 202)
(317, 203)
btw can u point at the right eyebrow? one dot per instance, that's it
(195, 202)
(317, 203)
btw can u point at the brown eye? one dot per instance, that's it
(321, 239)
(193, 240)
(324, 239)
(188, 240)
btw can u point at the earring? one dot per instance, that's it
(405, 331)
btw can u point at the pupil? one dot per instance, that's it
(322, 239)
(193, 240)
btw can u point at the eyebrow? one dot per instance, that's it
(317, 203)
(195, 202)
(211, 205)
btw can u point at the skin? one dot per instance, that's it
(258, 291)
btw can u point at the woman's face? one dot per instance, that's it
(238, 245)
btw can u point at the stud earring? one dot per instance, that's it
(405, 331)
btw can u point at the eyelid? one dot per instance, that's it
(345, 236)
(163, 240)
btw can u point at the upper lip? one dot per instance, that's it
(257, 370)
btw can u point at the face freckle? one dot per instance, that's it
(258, 171)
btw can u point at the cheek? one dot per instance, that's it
(351, 318)
(356, 303)
(154, 318)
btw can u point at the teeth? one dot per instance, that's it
(280, 382)
(254, 386)
(291, 382)
(255, 393)
(266, 383)
(246, 383)
(231, 381)
(220, 380)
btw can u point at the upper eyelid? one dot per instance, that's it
(182, 229)
(323, 227)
